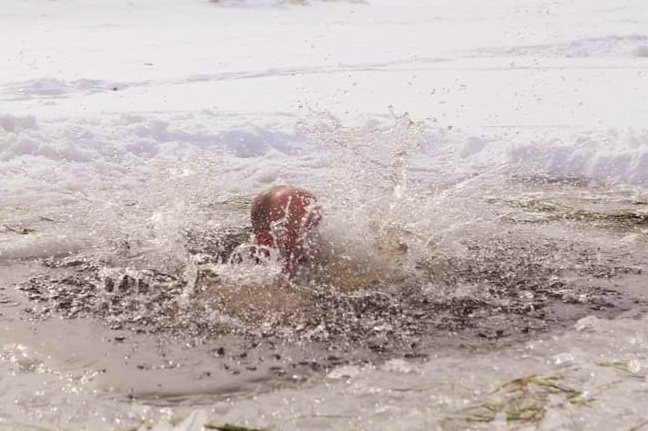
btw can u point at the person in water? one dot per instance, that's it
(283, 217)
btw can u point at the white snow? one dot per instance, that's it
(137, 115)
(521, 83)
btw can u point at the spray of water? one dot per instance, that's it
(402, 253)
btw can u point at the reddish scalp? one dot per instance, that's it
(281, 217)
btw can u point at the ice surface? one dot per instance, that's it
(132, 122)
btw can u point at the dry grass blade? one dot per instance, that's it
(622, 366)
(639, 426)
(231, 427)
(20, 230)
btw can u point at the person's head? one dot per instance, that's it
(283, 217)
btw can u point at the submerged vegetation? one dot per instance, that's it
(524, 399)
(535, 210)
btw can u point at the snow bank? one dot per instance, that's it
(75, 153)
(607, 156)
